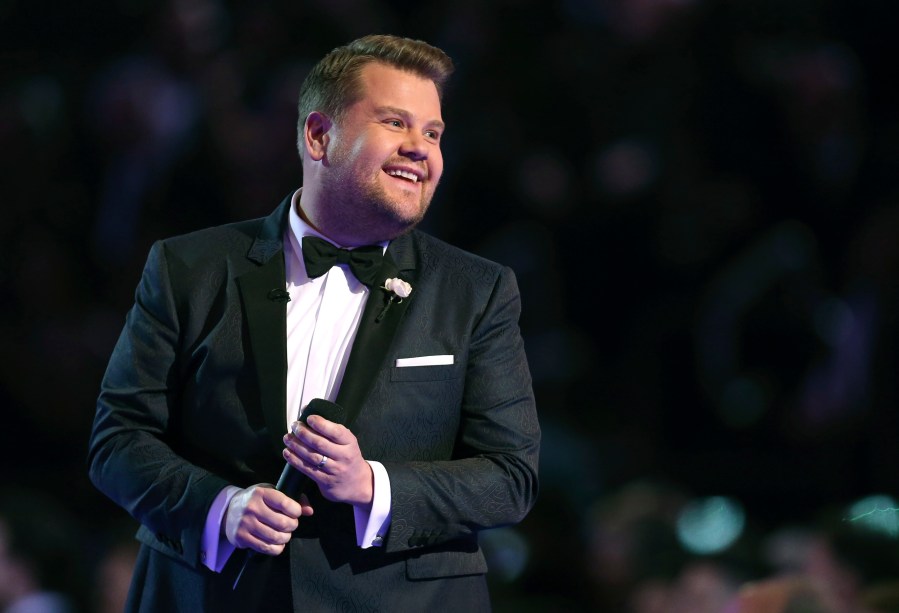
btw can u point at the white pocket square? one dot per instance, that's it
(425, 360)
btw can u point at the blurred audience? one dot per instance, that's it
(113, 567)
(786, 595)
(713, 185)
(40, 570)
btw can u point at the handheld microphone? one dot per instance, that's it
(292, 480)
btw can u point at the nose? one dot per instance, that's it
(414, 147)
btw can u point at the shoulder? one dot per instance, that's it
(437, 256)
(447, 273)
(214, 242)
(206, 257)
(255, 239)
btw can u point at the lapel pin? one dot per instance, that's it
(279, 295)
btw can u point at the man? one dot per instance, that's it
(234, 330)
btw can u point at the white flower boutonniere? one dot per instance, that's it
(399, 291)
(398, 287)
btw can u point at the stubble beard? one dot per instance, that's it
(368, 213)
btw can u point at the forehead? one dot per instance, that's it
(384, 85)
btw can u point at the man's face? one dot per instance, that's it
(383, 157)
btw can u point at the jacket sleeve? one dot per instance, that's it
(131, 456)
(491, 480)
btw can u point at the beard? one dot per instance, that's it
(361, 207)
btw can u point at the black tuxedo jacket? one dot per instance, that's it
(194, 399)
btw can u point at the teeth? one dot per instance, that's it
(404, 174)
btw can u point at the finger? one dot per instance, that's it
(264, 546)
(309, 454)
(303, 441)
(329, 429)
(277, 522)
(304, 435)
(307, 507)
(267, 535)
(306, 467)
(282, 504)
(261, 521)
(253, 534)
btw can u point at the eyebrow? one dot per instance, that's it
(392, 110)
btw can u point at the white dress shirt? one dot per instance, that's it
(323, 316)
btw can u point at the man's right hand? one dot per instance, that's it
(262, 519)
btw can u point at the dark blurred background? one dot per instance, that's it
(699, 199)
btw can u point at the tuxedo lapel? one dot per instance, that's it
(377, 328)
(264, 298)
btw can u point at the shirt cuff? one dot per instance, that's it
(214, 547)
(372, 524)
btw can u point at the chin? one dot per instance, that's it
(411, 216)
(406, 210)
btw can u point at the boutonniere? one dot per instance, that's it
(399, 291)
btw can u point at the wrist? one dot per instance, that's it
(366, 489)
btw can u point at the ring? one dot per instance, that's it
(323, 461)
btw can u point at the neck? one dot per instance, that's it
(341, 239)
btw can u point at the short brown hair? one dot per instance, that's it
(333, 84)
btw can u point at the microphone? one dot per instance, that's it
(292, 480)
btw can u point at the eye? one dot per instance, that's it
(432, 134)
(395, 123)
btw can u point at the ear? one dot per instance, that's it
(315, 134)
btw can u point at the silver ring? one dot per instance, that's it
(323, 461)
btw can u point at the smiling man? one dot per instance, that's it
(335, 297)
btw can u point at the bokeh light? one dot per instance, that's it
(878, 513)
(710, 525)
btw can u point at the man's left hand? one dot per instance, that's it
(329, 454)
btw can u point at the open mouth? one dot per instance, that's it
(403, 174)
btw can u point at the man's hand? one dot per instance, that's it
(261, 518)
(345, 476)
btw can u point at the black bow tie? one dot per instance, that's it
(320, 255)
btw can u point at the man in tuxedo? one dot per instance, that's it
(333, 296)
